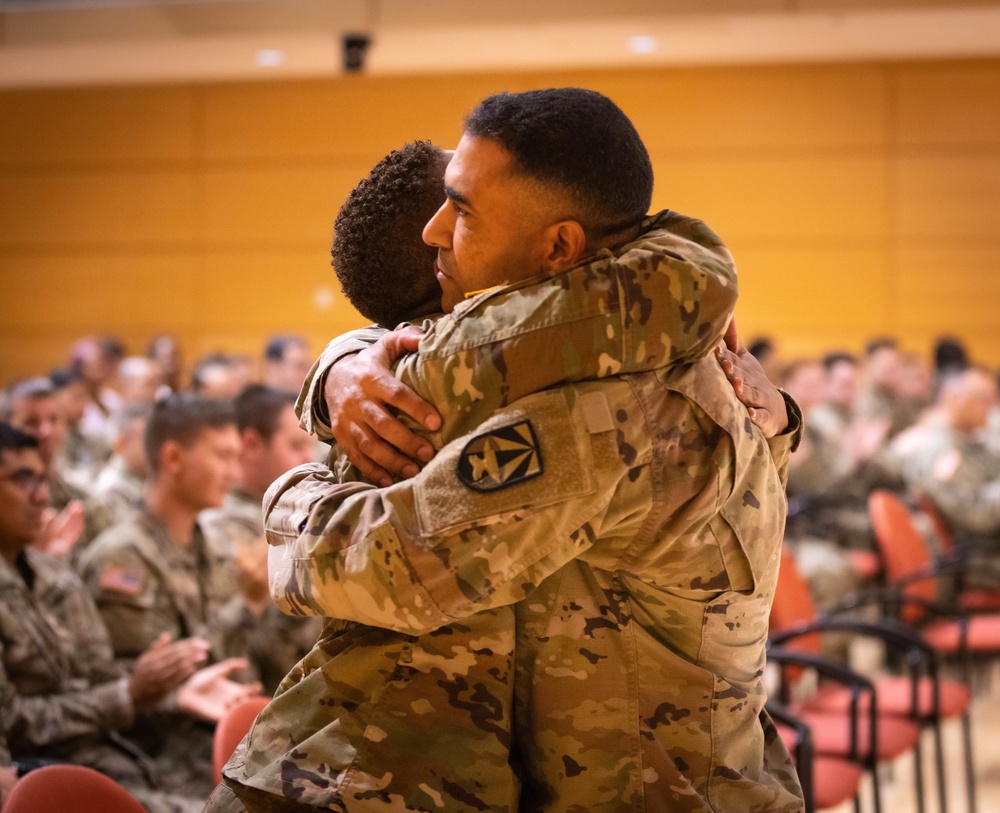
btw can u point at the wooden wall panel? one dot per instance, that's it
(952, 105)
(286, 204)
(123, 207)
(948, 198)
(775, 200)
(812, 299)
(207, 209)
(764, 111)
(72, 127)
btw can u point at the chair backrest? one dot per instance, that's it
(942, 531)
(904, 549)
(232, 728)
(55, 788)
(793, 604)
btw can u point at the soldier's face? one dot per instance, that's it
(490, 229)
(24, 494)
(43, 420)
(842, 383)
(289, 446)
(208, 469)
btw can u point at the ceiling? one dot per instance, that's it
(59, 43)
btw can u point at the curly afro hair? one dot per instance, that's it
(384, 267)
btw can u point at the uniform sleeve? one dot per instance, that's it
(125, 593)
(492, 515)
(311, 404)
(51, 718)
(969, 505)
(783, 445)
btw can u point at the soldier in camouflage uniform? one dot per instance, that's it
(32, 407)
(62, 696)
(249, 624)
(120, 484)
(561, 485)
(157, 573)
(961, 474)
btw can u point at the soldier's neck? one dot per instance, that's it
(175, 513)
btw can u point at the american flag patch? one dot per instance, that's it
(121, 581)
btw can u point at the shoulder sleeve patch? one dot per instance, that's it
(500, 458)
(535, 452)
(120, 580)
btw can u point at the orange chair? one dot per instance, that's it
(973, 600)
(905, 704)
(827, 782)
(55, 788)
(232, 728)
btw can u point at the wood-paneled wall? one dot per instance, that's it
(858, 199)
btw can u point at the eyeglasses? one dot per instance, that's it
(27, 479)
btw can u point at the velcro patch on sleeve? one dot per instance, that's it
(534, 453)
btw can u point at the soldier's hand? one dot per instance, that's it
(209, 693)
(359, 391)
(63, 530)
(762, 399)
(163, 667)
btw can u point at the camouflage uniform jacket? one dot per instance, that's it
(462, 672)
(60, 683)
(145, 584)
(961, 474)
(95, 516)
(62, 695)
(273, 642)
(118, 491)
(577, 477)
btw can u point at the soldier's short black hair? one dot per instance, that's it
(836, 357)
(276, 346)
(259, 407)
(29, 388)
(760, 347)
(11, 438)
(578, 140)
(182, 417)
(384, 267)
(64, 376)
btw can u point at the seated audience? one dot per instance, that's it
(157, 573)
(63, 697)
(272, 444)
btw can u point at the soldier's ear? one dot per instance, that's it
(251, 440)
(171, 457)
(565, 246)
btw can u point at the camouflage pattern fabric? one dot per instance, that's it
(144, 585)
(118, 491)
(62, 695)
(961, 475)
(565, 488)
(272, 641)
(96, 519)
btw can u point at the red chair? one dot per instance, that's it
(973, 600)
(56, 788)
(231, 729)
(905, 703)
(913, 576)
(827, 782)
